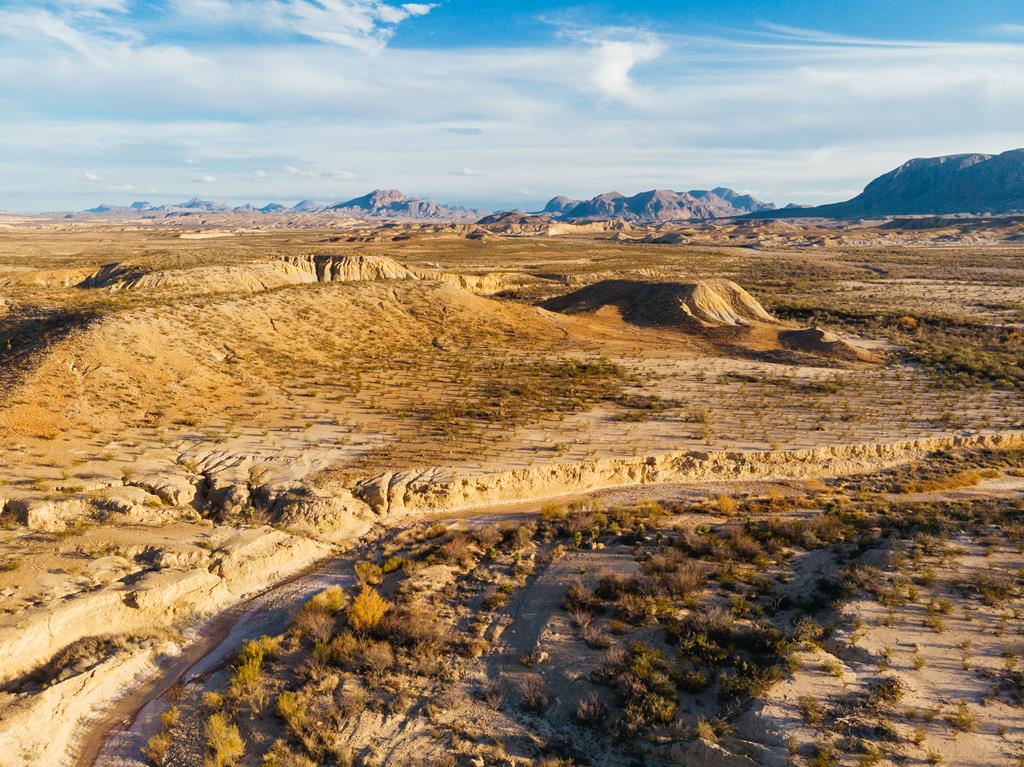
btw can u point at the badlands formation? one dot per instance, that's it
(570, 493)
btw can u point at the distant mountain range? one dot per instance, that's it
(658, 205)
(956, 183)
(962, 183)
(381, 203)
(647, 207)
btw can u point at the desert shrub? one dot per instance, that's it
(157, 748)
(280, 755)
(553, 512)
(487, 536)
(377, 657)
(958, 479)
(725, 506)
(644, 708)
(992, 589)
(458, 550)
(595, 638)
(872, 756)
(636, 609)
(889, 690)
(247, 682)
(331, 600)
(494, 599)
(712, 729)
(747, 680)
(534, 697)
(577, 597)
(414, 626)
(745, 547)
(315, 624)
(693, 680)
(342, 650)
(591, 710)
(688, 578)
(367, 610)
(352, 701)
(811, 709)
(613, 661)
(581, 617)
(522, 536)
(962, 718)
(369, 573)
(664, 561)
(646, 690)
(806, 630)
(293, 708)
(391, 564)
(170, 718)
(493, 695)
(611, 586)
(223, 740)
(824, 756)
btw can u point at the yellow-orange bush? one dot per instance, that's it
(367, 610)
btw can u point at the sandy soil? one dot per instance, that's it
(210, 416)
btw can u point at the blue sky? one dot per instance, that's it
(492, 102)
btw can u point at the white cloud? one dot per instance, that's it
(92, 178)
(365, 25)
(469, 172)
(259, 175)
(614, 60)
(418, 9)
(342, 175)
(121, 187)
(206, 180)
(291, 170)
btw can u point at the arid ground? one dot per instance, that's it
(725, 494)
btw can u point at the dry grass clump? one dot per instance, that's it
(248, 685)
(967, 478)
(223, 741)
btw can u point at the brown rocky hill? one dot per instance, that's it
(959, 183)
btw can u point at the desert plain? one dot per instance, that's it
(291, 492)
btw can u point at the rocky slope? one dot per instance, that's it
(958, 183)
(659, 205)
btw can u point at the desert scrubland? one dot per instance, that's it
(294, 492)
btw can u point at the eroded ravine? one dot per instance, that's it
(115, 737)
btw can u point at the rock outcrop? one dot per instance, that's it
(709, 303)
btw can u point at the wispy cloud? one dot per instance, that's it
(1014, 30)
(792, 112)
(365, 25)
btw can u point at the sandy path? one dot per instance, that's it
(115, 739)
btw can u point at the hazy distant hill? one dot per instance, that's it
(659, 205)
(391, 203)
(958, 183)
(381, 203)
